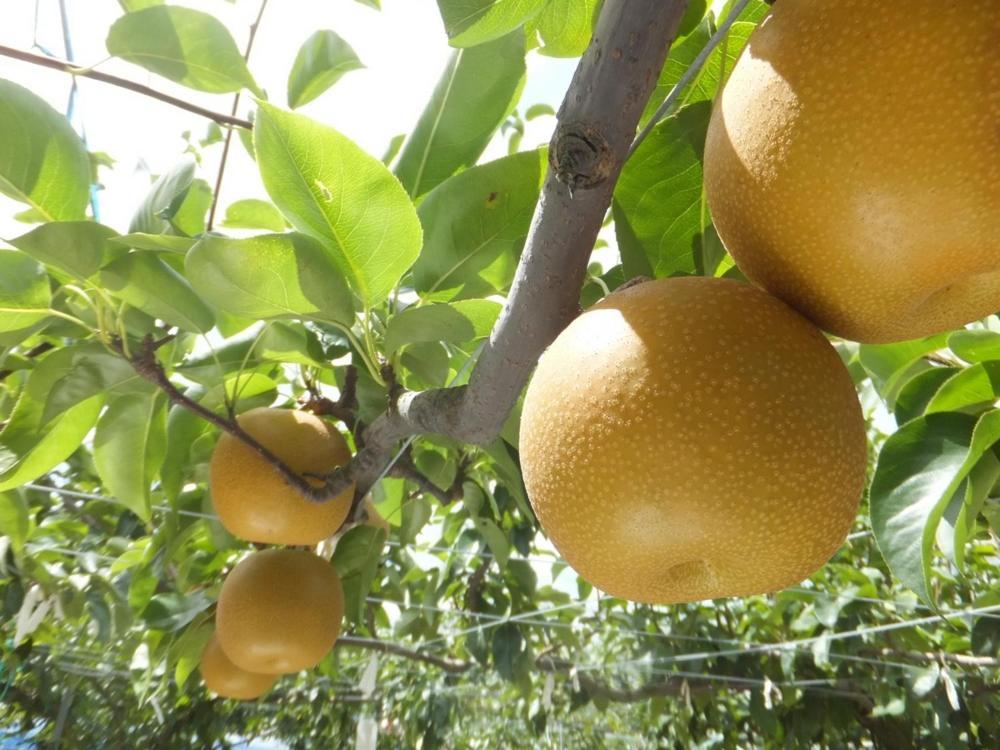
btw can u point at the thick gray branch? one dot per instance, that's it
(596, 124)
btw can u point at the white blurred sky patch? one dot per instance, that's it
(403, 47)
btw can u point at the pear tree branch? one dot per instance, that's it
(55, 63)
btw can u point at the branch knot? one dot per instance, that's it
(580, 156)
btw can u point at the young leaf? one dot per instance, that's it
(251, 213)
(129, 446)
(475, 225)
(660, 216)
(77, 247)
(28, 446)
(973, 386)
(144, 281)
(975, 346)
(356, 559)
(919, 469)
(476, 92)
(43, 162)
(458, 322)
(163, 200)
(15, 519)
(564, 27)
(270, 276)
(169, 243)
(472, 22)
(94, 371)
(24, 291)
(187, 46)
(332, 190)
(320, 63)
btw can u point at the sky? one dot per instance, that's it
(403, 47)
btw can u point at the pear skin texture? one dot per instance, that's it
(254, 502)
(852, 163)
(279, 611)
(227, 680)
(693, 438)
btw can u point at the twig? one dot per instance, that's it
(373, 644)
(474, 591)
(47, 61)
(229, 133)
(404, 468)
(146, 365)
(345, 407)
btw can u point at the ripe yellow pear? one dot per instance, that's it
(693, 438)
(227, 680)
(279, 611)
(254, 502)
(852, 164)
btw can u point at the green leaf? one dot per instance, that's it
(682, 55)
(892, 365)
(24, 291)
(475, 224)
(508, 645)
(270, 276)
(43, 162)
(918, 391)
(974, 386)
(190, 218)
(187, 46)
(320, 63)
(659, 207)
(30, 447)
(251, 213)
(145, 282)
(131, 5)
(163, 200)
(187, 650)
(975, 346)
(157, 242)
(93, 371)
(356, 559)
(472, 22)
(564, 27)
(174, 611)
(474, 95)
(919, 469)
(129, 446)
(496, 540)
(980, 483)
(458, 322)
(183, 428)
(332, 190)
(77, 247)
(286, 343)
(15, 519)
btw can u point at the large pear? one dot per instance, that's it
(693, 438)
(852, 164)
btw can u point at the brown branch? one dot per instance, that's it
(148, 366)
(345, 407)
(229, 133)
(65, 66)
(37, 351)
(964, 660)
(404, 468)
(373, 644)
(474, 591)
(597, 123)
